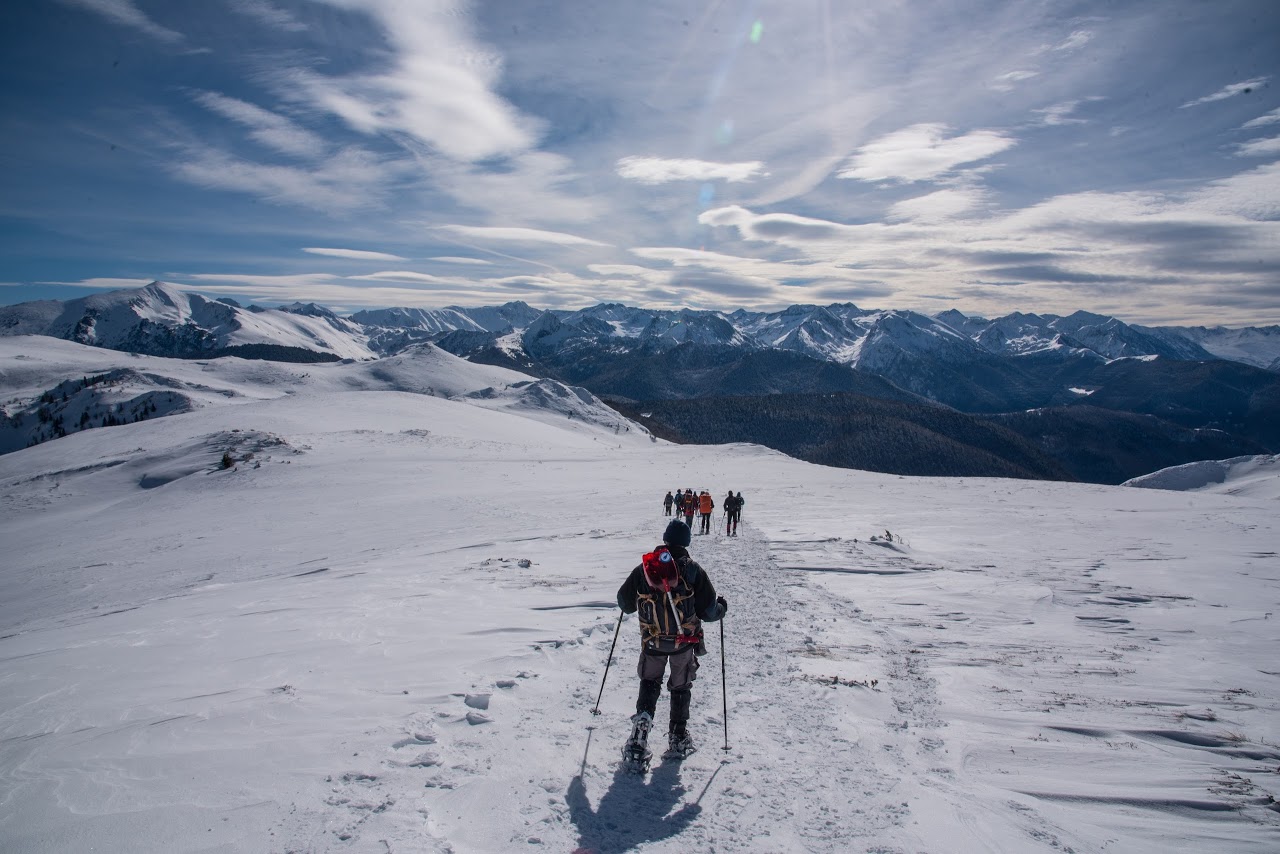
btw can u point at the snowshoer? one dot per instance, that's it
(666, 504)
(705, 505)
(690, 507)
(733, 513)
(673, 596)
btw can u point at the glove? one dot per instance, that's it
(724, 606)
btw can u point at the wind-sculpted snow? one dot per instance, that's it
(324, 619)
(1255, 476)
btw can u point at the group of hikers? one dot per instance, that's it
(688, 504)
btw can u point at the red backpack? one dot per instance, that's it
(668, 619)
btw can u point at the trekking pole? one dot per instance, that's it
(724, 688)
(617, 629)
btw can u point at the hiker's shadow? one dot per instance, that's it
(632, 811)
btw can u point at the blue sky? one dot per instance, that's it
(986, 156)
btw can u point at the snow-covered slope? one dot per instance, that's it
(1257, 346)
(425, 319)
(159, 319)
(1255, 476)
(50, 388)
(385, 625)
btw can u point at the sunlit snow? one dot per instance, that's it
(384, 627)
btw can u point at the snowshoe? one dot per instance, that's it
(679, 746)
(636, 753)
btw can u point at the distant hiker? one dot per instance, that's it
(732, 513)
(690, 507)
(673, 596)
(666, 504)
(705, 505)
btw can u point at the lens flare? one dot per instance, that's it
(724, 133)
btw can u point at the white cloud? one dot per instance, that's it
(106, 284)
(1252, 195)
(350, 180)
(354, 254)
(1268, 119)
(1228, 92)
(328, 290)
(922, 152)
(1060, 114)
(268, 13)
(454, 259)
(126, 13)
(941, 206)
(659, 170)
(515, 234)
(1006, 82)
(1076, 40)
(1165, 248)
(405, 276)
(438, 88)
(1260, 147)
(533, 187)
(268, 128)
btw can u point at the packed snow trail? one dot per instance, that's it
(821, 757)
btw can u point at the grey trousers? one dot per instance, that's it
(684, 668)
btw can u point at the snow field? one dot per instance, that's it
(334, 646)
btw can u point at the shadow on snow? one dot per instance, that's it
(632, 811)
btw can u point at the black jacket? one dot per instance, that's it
(704, 593)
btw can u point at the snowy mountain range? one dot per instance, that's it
(161, 319)
(1195, 391)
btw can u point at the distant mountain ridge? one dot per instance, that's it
(1116, 396)
(161, 319)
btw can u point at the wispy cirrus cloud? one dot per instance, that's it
(1007, 81)
(349, 180)
(353, 254)
(266, 12)
(438, 87)
(516, 235)
(660, 170)
(1062, 113)
(1230, 91)
(1270, 118)
(405, 276)
(940, 206)
(105, 283)
(1260, 147)
(1075, 41)
(455, 259)
(126, 13)
(1106, 248)
(270, 129)
(923, 152)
